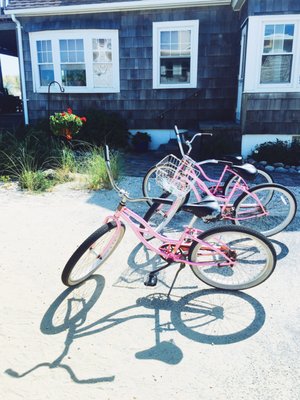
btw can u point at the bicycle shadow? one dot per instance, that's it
(281, 248)
(208, 316)
(141, 261)
(68, 312)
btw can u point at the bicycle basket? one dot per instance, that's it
(176, 176)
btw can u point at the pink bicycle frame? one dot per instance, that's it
(140, 227)
(240, 184)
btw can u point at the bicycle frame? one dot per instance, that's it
(191, 178)
(239, 185)
(176, 250)
(225, 201)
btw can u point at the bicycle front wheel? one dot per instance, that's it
(92, 253)
(253, 255)
(267, 208)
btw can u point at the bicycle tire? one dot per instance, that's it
(255, 262)
(279, 202)
(150, 188)
(78, 257)
(262, 177)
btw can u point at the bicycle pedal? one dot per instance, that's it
(151, 280)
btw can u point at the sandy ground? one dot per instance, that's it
(113, 338)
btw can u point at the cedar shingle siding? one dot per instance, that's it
(142, 106)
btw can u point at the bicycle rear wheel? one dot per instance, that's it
(260, 178)
(151, 189)
(159, 216)
(276, 201)
(254, 257)
(92, 253)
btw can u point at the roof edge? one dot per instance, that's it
(237, 4)
(114, 7)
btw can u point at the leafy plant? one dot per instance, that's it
(279, 151)
(66, 124)
(34, 181)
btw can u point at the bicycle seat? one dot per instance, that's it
(247, 171)
(235, 158)
(207, 206)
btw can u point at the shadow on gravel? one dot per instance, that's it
(209, 316)
(281, 249)
(69, 312)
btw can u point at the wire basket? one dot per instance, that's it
(176, 176)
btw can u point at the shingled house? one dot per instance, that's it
(194, 63)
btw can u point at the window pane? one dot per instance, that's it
(103, 75)
(102, 50)
(44, 58)
(276, 69)
(268, 46)
(71, 50)
(278, 38)
(288, 46)
(289, 30)
(102, 67)
(269, 30)
(165, 37)
(73, 74)
(44, 51)
(175, 44)
(279, 29)
(63, 45)
(46, 74)
(278, 46)
(175, 70)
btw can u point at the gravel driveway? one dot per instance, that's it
(113, 338)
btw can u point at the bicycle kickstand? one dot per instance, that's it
(181, 266)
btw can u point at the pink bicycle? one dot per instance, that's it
(268, 207)
(229, 257)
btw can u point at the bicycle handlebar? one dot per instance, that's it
(187, 142)
(109, 172)
(122, 193)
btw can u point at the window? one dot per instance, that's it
(277, 57)
(273, 55)
(175, 53)
(45, 61)
(82, 61)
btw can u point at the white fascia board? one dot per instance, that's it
(117, 6)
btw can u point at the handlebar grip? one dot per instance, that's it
(106, 153)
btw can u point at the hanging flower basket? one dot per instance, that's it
(66, 124)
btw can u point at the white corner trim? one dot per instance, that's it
(116, 6)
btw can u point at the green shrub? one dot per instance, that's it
(104, 128)
(95, 169)
(34, 181)
(279, 151)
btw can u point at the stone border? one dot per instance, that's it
(276, 167)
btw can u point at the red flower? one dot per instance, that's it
(69, 110)
(68, 137)
(83, 119)
(63, 114)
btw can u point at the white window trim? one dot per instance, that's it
(256, 26)
(86, 35)
(193, 25)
